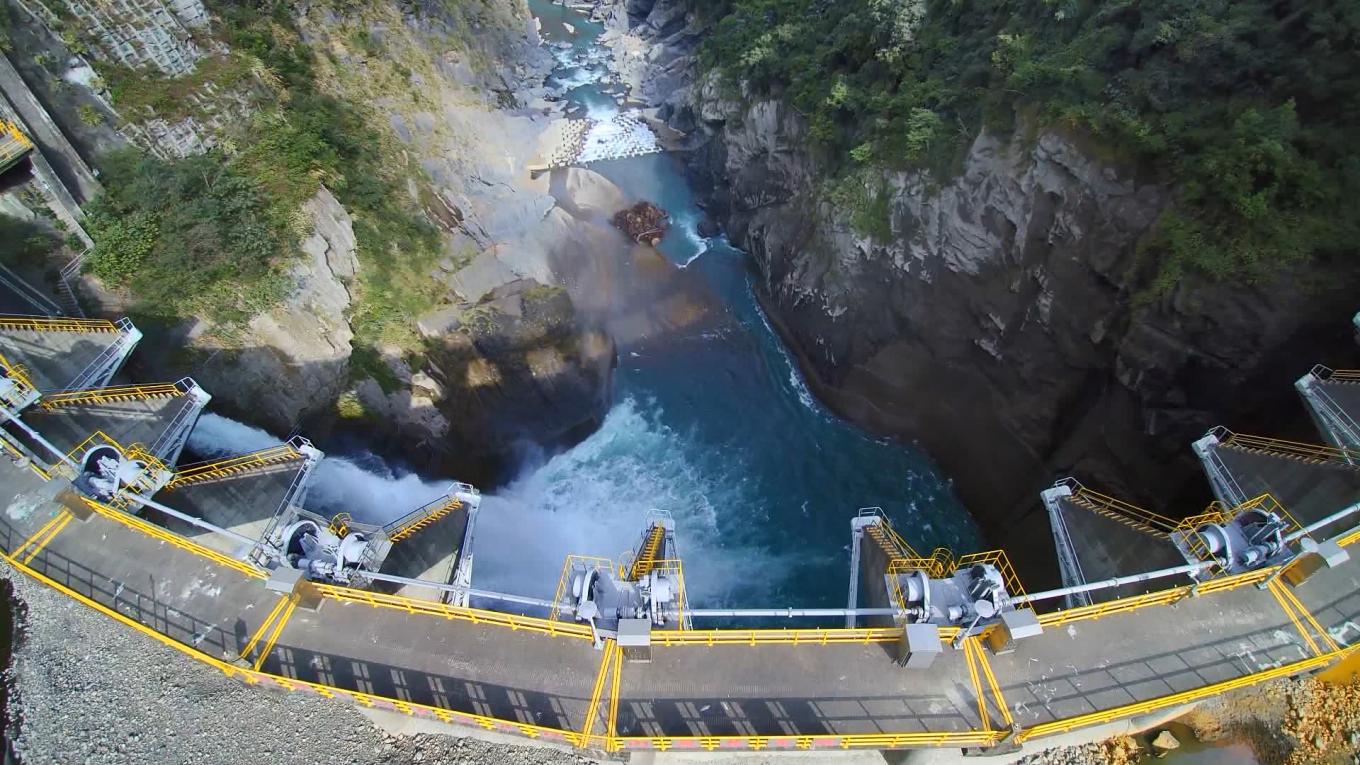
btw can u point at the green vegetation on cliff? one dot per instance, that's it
(1246, 107)
(212, 234)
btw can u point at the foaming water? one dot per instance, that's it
(592, 500)
(364, 486)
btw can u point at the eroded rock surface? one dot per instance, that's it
(1000, 317)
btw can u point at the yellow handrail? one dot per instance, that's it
(1294, 449)
(646, 557)
(593, 561)
(1184, 697)
(60, 324)
(422, 517)
(13, 142)
(464, 613)
(109, 395)
(1123, 512)
(18, 373)
(204, 471)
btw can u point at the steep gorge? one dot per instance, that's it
(1001, 318)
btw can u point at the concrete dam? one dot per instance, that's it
(221, 561)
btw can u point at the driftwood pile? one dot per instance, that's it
(643, 222)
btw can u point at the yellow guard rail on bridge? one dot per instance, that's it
(232, 466)
(44, 324)
(111, 395)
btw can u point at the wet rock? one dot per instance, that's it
(1165, 742)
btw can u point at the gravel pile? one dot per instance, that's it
(85, 689)
(1117, 751)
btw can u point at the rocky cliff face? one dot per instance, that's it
(498, 356)
(1001, 322)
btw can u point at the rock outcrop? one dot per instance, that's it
(293, 361)
(517, 371)
(1000, 319)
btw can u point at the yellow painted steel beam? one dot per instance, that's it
(279, 624)
(987, 674)
(1326, 638)
(606, 663)
(969, 654)
(264, 627)
(39, 539)
(1273, 586)
(612, 730)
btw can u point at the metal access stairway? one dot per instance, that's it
(422, 517)
(63, 354)
(1100, 537)
(1333, 399)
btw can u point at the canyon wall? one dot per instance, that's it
(999, 318)
(498, 357)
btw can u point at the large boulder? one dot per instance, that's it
(585, 193)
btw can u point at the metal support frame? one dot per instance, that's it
(1068, 563)
(101, 370)
(1221, 480)
(462, 574)
(172, 440)
(1333, 421)
(295, 496)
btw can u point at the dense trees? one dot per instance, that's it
(1248, 107)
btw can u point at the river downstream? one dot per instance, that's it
(711, 422)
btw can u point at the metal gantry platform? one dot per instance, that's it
(223, 561)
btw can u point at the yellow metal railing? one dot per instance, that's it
(165, 535)
(111, 395)
(804, 637)
(19, 374)
(1339, 375)
(1003, 565)
(463, 613)
(673, 567)
(423, 517)
(1350, 538)
(616, 743)
(13, 143)
(1158, 598)
(1218, 513)
(1176, 699)
(590, 561)
(1291, 449)
(233, 466)
(63, 324)
(646, 555)
(1123, 512)
(826, 741)
(889, 540)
